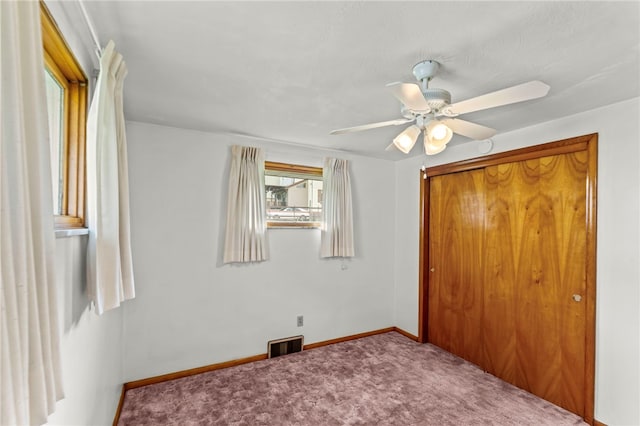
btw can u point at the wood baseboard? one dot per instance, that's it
(191, 372)
(212, 367)
(347, 338)
(597, 423)
(406, 334)
(116, 418)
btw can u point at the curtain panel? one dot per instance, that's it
(30, 374)
(336, 237)
(109, 261)
(245, 239)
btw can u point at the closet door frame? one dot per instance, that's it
(587, 143)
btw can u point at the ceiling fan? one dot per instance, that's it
(432, 112)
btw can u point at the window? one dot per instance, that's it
(293, 195)
(66, 87)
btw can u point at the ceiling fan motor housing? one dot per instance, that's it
(437, 98)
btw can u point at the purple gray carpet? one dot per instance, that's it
(386, 379)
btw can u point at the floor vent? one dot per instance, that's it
(285, 346)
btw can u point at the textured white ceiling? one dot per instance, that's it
(293, 71)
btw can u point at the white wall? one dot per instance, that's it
(190, 309)
(91, 346)
(618, 245)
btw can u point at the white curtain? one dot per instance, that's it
(337, 211)
(245, 239)
(30, 376)
(109, 261)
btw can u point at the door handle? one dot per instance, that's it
(576, 298)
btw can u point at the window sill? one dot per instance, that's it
(293, 225)
(71, 232)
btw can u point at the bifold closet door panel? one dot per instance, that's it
(522, 258)
(455, 269)
(562, 282)
(503, 225)
(535, 253)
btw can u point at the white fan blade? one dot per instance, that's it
(469, 129)
(522, 92)
(396, 122)
(410, 95)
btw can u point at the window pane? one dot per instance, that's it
(293, 198)
(55, 109)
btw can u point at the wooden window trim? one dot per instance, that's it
(286, 167)
(60, 61)
(299, 169)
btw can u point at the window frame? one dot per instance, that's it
(310, 171)
(62, 64)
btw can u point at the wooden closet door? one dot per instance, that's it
(561, 282)
(503, 243)
(457, 229)
(508, 272)
(534, 333)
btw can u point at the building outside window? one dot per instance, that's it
(293, 195)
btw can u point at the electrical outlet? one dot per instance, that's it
(300, 320)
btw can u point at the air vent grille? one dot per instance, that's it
(285, 346)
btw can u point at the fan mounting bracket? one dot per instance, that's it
(426, 70)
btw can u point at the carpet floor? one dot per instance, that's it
(385, 379)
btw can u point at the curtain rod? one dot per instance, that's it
(92, 30)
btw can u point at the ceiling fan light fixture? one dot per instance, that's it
(431, 148)
(407, 139)
(437, 133)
